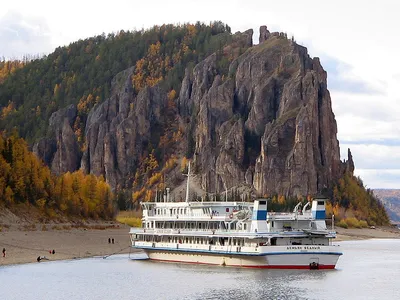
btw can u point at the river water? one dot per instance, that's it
(369, 269)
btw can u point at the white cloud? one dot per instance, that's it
(373, 156)
(363, 117)
(378, 165)
(20, 35)
(380, 179)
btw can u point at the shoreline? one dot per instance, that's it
(23, 246)
(385, 232)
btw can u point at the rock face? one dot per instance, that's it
(119, 129)
(61, 151)
(276, 114)
(267, 124)
(264, 34)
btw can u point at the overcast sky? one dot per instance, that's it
(357, 42)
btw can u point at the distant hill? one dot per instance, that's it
(391, 201)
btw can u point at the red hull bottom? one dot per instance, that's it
(320, 267)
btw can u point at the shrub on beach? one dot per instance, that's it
(129, 218)
(342, 223)
(352, 223)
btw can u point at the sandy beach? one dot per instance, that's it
(24, 246)
(367, 233)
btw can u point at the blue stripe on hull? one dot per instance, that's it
(234, 253)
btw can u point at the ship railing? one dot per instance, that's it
(200, 247)
(197, 217)
(190, 231)
(185, 231)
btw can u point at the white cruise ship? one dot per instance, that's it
(237, 234)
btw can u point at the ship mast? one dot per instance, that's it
(187, 183)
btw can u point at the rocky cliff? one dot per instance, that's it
(267, 123)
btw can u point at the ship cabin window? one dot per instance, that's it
(197, 241)
(244, 226)
(227, 209)
(321, 203)
(199, 225)
(272, 224)
(273, 242)
(184, 211)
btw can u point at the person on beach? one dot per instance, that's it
(4, 252)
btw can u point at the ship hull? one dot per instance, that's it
(267, 261)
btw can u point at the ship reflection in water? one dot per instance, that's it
(369, 270)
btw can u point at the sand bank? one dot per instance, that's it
(26, 246)
(367, 233)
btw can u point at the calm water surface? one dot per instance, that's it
(368, 269)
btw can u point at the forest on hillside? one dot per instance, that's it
(25, 180)
(81, 73)
(349, 201)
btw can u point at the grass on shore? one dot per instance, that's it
(129, 218)
(352, 223)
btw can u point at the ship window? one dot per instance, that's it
(227, 209)
(263, 202)
(199, 225)
(321, 203)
